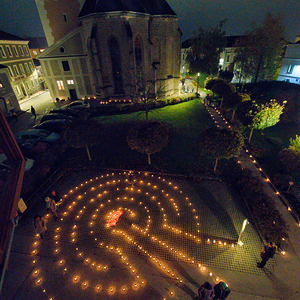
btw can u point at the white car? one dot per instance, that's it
(78, 105)
(4, 163)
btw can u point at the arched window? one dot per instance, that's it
(116, 65)
(138, 53)
(138, 56)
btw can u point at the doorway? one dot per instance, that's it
(73, 94)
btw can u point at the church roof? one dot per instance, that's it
(152, 7)
(5, 36)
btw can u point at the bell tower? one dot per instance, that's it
(58, 17)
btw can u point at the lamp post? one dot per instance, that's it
(240, 243)
(198, 81)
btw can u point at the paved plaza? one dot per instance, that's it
(172, 236)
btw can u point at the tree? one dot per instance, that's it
(205, 51)
(220, 143)
(231, 101)
(83, 134)
(258, 55)
(148, 138)
(265, 115)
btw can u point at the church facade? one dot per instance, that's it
(118, 49)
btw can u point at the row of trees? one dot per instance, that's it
(258, 53)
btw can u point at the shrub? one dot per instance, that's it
(290, 159)
(211, 81)
(268, 219)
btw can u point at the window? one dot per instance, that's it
(60, 85)
(15, 50)
(2, 51)
(21, 50)
(65, 17)
(26, 85)
(71, 81)
(9, 51)
(16, 70)
(34, 52)
(27, 68)
(228, 57)
(25, 50)
(32, 83)
(66, 65)
(115, 56)
(31, 66)
(1, 85)
(21, 69)
(10, 72)
(18, 90)
(290, 69)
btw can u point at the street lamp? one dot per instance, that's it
(198, 81)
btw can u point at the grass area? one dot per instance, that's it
(187, 120)
(273, 140)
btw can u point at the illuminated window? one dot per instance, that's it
(21, 50)
(16, 70)
(21, 68)
(15, 50)
(60, 85)
(71, 81)
(9, 51)
(290, 69)
(34, 52)
(296, 70)
(2, 51)
(1, 85)
(221, 61)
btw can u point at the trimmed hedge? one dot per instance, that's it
(267, 218)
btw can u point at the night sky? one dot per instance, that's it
(20, 17)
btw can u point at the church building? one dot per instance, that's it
(114, 49)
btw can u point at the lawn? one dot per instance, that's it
(186, 120)
(273, 140)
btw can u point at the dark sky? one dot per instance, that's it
(20, 17)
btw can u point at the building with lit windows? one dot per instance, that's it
(114, 46)
(15, 55)
(290, 68)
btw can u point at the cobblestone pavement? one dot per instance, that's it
(165, 222)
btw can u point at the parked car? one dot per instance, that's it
(57, 125)
(65, 111)
(78, 105)
(56, 116)
(29, 147)
(39, 135)
(5, 164)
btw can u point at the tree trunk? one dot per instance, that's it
(88, 152)
(216, 163)
(232, 117)
(250, 135)
(149, 160)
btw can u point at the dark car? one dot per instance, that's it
(65, 111)
(55, 116)
(29, 147)
(53, 125)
